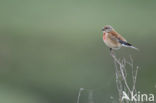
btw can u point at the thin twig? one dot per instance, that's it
(79, 94)
(121, 70)
(121, 76)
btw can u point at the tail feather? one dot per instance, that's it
(125, 44)
(134, 48)
(130, 46)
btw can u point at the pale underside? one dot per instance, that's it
(112, 42)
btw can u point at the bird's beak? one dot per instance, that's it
(103, 29)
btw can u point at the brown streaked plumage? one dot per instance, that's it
(113, 39)
(117, 35)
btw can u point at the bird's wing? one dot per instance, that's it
(120, 39)
(124, 43)
(118, 36)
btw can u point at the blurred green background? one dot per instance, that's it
(51, 48)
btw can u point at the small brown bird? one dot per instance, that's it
(113, 39)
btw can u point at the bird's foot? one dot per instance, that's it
(111, 52)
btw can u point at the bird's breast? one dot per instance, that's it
(112, 43)
(104, 36)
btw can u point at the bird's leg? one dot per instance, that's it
(111, 51)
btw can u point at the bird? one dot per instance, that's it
(113, 39)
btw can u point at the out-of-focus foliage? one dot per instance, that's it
(51, 48)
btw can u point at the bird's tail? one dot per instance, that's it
(126, 44)
(130, 46)
(134, 48)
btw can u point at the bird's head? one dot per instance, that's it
(107, 28)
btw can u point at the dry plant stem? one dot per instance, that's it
(79, 94)
(90, 95)
(121, 70)
(121, 76)
(121, 80)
